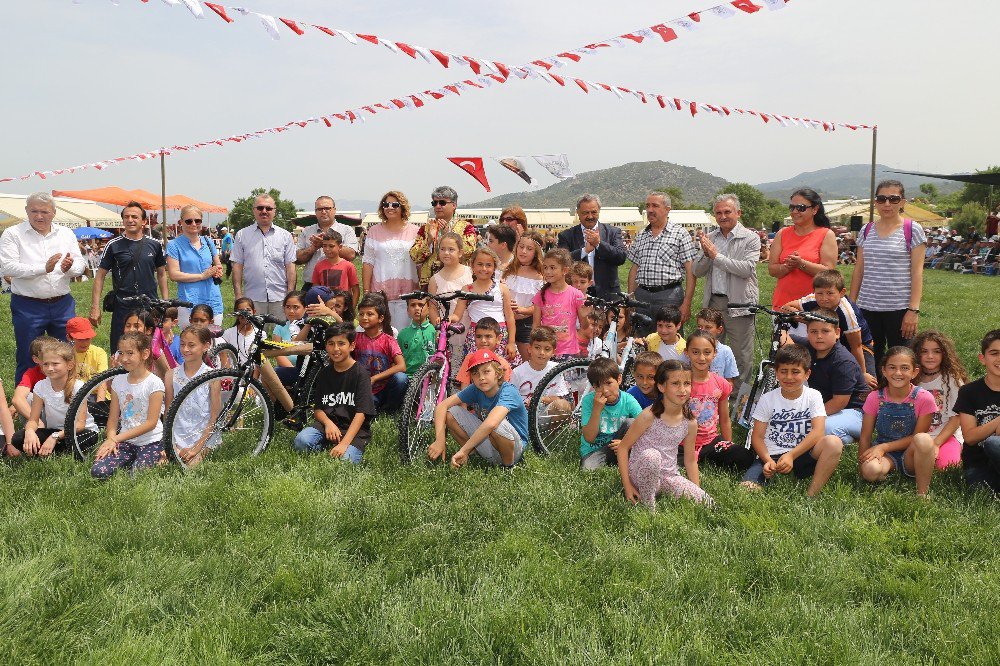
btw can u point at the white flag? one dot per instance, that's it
(270, 25)
(557, 165)
(724, 11)
(195, 8)
(774, 5)
(685, 23)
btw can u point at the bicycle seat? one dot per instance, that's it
(640, 320)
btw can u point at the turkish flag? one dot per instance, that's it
(665, 32)
(472, 166)
(746, 6)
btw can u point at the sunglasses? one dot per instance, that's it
(192, 221)
(891, 198)
(440, 202)
(508, 218)
(262, 209)
(799, 207)
(391, 204)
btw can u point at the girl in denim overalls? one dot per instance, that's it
(899, 415)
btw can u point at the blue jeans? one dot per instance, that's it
(32, 318)
(390, 398)
(845, 424)
(988, 474)
(313, 440)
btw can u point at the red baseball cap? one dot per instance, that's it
(481, 356)
(79, 328)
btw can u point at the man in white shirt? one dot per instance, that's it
(264, 260)
(309, 248)
(41, 258)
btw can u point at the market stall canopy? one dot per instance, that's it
(85, 233)
(90, 212)
(116, 196)
(980, 178)
(182, 201)
(842, 210)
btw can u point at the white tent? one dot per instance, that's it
(70, 213)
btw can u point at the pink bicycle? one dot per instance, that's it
(430, 384)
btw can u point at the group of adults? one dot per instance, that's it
(41, 258)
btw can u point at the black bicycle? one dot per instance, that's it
(92, 400)
(231, 411)
(766, 380)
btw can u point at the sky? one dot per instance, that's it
(93, 81)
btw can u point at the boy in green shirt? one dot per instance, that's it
(418, 340)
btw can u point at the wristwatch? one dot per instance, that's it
(914, 310)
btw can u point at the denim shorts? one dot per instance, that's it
(899, 459)
(802, 468)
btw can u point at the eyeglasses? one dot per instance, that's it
(799, 207)
(508, 218)
(324, 209)
(891, 198)
(391, 204)
(192, 221)
(440, 202)
(261, 209)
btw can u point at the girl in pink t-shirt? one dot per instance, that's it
(896, 419)
(710, 405)
(942, 373)
(558, 304)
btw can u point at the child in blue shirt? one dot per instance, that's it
(644, 374)
(605, 413)
(711, 321)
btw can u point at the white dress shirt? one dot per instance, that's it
(23, 253)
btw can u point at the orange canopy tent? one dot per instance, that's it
(116, 196)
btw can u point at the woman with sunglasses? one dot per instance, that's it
(800, 251)
(887, 283)
(386, 264)
(515, 218)
(194, 264)
(441, 220)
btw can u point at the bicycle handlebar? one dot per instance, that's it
(619, 300)
(160, 304)
(259, 320)
(447, 296)
(783, 314)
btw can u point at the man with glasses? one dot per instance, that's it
(264, 260)
(441, 220)
(137, 267)
(41, 258)
(309, 249)
(600, 245)
(728, 259)
(661, 257)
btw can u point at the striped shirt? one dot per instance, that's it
(886, 283)
(661, 258)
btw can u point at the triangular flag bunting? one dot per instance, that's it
(516, 167)
(220, 10)
(293, 26)
(474, 167)
(557, 165)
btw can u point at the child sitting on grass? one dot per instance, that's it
(667, 340)
(711, 321)
(496, 429)
(942, 374)
(788, 426)
(192, 434)
(605, 412)
(527, 375)
(43, 433)
(379, 353)
(978, 408)
(345, 407)
(897, 418)
(487, 336)
(644, 374)
(647, 455)
(418, 340)
(20, 402)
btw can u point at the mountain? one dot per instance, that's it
(617, 186)
(850, 180)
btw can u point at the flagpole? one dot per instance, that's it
(871, 197)
(163, 195)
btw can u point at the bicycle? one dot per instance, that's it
(429, 385)
(765, 379)
(561, 429)
(93, 394)
(242, 421)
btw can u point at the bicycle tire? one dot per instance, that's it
(244, 425)
(222, 355)
(416, 418)
(628, 374)
(82, 445)
(765, 381)
(551, 434)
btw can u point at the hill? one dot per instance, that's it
(617, 186)
(849, 180)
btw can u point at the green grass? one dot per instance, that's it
(291, 559)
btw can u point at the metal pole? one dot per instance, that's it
(163, 196)
(871, 196)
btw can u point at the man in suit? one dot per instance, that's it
(598, 244)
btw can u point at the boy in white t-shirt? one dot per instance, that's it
(788, 427)
(527, 375)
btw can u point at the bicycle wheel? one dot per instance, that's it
(416, 419)
(244, 425)
(558, 426)
(764, 382)
(87, 416)
(222, 355)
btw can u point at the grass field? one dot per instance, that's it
(290, 559)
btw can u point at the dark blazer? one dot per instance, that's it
(609, 256)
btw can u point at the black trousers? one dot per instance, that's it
(886, 328)
(62, 445)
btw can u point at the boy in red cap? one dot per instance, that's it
(90, 359)
(497, 426)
